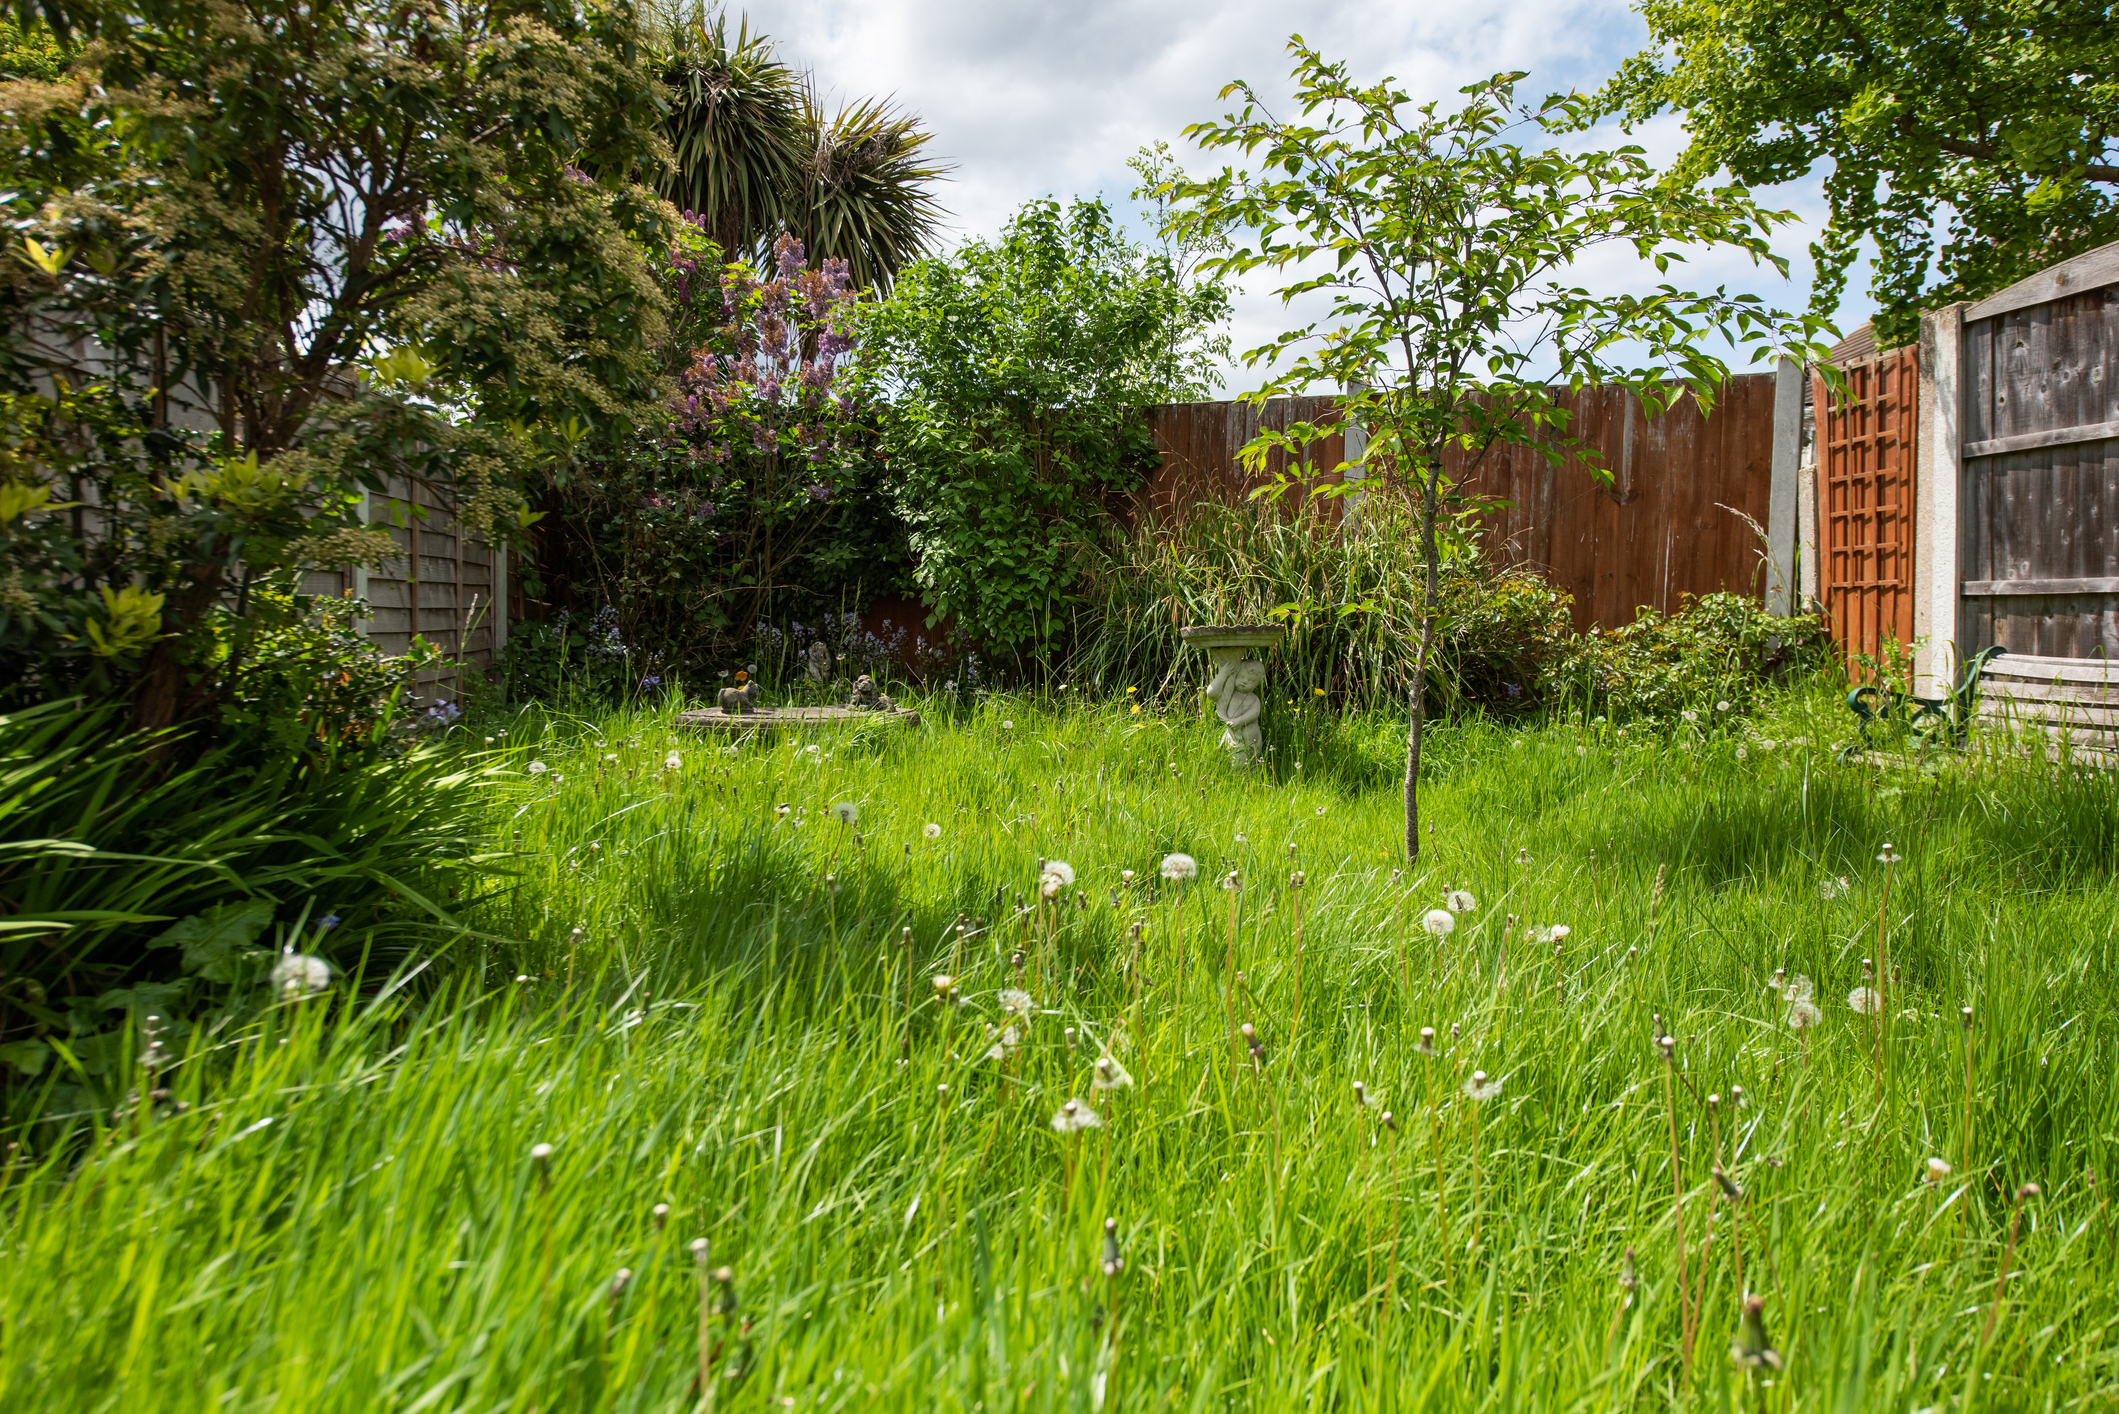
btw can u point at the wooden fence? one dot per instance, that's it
(1668, 519)
(447, 584)
(1866, 435)
(2020, 494)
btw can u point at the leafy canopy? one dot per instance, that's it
(1443, 241)
(1014, 371)
(1995, 121)
(317, 244)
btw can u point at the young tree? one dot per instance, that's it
(1442, 241)
(2000, 118)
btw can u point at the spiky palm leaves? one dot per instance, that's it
(735, 130)
(866, 189)
(756, 154)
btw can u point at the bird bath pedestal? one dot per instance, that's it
(1235, 652)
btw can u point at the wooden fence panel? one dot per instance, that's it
(2039, 500)
(1866, 493)
(1667, 519)
(447, 592)
(1199, 443)
(1661, 526)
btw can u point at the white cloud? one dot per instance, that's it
(1037, 99)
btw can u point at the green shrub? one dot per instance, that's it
(138, 881)
(1013, 373)
(1717, 648)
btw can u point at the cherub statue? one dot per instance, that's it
(1234, 693)
(819, 663)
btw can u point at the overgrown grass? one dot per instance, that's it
(347, 1214)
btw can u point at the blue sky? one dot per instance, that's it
(1036, 99)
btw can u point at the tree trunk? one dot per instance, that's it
(1416, 704)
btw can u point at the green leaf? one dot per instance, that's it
(29, 1057)
(214, 941)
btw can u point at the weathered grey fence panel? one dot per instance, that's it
(2039, 500)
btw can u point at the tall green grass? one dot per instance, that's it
(339, 1209)
(1351, 605)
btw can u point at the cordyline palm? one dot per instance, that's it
(865, 198)
(735, 129)
(756, 155)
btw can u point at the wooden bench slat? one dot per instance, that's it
(2017, 689)
(2037, 669)
(2050, 713)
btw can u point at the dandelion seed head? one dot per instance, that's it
(1938, 1170)
(847, 812)
(538, 768)
(1110, 1075)
(1179, 867)
(1426, 1046)
(933, 832)
(1439, 921)
(1887, 855)
(1460, 901)
(1803, 1015)
(1074, 1117)
(1864, 1000)
(672, 762)
(297, 975)
(942, 982)
(1480, 1088)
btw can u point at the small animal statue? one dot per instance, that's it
(735, 701)
(1234, 693)
(867, 697)
(819, 664)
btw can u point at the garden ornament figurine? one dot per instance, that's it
(1234, 693)
(867, 697)
(819, 663)
(743, 697)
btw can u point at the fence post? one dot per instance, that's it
(1937, 473)
(1357, 442)
(1783, 491)
(366, 623)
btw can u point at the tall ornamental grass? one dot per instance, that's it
(1033, 1060)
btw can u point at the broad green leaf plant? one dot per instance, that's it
(1443, 242)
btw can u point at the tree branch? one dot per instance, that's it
(1988, 152)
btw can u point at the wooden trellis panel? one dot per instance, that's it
(1866, 491)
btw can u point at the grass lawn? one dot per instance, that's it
(741, 1045)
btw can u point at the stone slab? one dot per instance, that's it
(772, 719)
(1212, 636)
